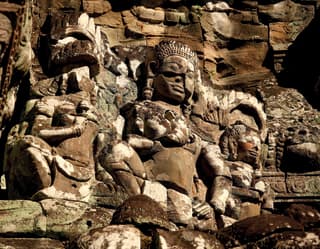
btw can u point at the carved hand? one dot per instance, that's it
(180, 132)
(139, 142)
(202, 209)
(44, 109)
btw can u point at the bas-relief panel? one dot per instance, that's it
(142, 114)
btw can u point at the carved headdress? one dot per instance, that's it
(171, 47)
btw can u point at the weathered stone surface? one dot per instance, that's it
(149, 15)
(22, 217)
(246, 16)
(225, 221)
(292, 239)
(177, 17)
(107, 194)
(282, 34)
(285, 107)
(138, 29)
(182, 135)
(95, 7)
(186, 239)
(255, 228)
(111, 19)
(36, 243)
(218, 24)
(238, 63)
(116, 236)
(59, 4)
(249, 209)
(68, 220)
(307, 215)
(141, 210)
(179, 207)
(286, 11)
(157, 192)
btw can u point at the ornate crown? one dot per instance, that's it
(171, 47)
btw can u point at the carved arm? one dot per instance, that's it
(55, 134)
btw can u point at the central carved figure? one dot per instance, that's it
(159, 142)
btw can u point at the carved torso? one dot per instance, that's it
(173, 164)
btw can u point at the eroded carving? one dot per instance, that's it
(162, 144)
(50, 154)
(200, 153)
(53, 156)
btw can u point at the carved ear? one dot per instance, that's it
(152, 69)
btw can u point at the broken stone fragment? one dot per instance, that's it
(109, 237)
(257, 227)
(142, 211)
(186, 239)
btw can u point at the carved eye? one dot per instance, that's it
(169, 74)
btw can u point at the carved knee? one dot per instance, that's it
(124, 158)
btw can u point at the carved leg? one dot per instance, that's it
(27, 170)
(65, 188)
(128, 181)
(222, 183)
(72, 181)
(220, 192)
(126, 167)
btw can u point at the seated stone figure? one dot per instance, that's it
(51, 156)
(159, 144)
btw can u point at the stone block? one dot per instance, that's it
(95, 7)
(110, 237)
(21, 217)
(110, 19)
(69, 219)
(179, 207)
(186, 239)
(283, 34)
(156, 191)
(150, 15)
(138, 29)
(248, 209)
(219, 24)
(241, 65)
(35, 243)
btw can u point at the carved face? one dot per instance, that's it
(175, 80)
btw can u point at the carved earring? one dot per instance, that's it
(148, 89)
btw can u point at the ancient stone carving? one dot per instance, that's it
(74, 41)
(50, 154)
(292, 165)
(53, 156)
(226, 144)
(162, 144)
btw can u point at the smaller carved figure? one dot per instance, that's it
(52, 154)
(72, 41)
(241, 143)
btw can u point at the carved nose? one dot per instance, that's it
(178, 79)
